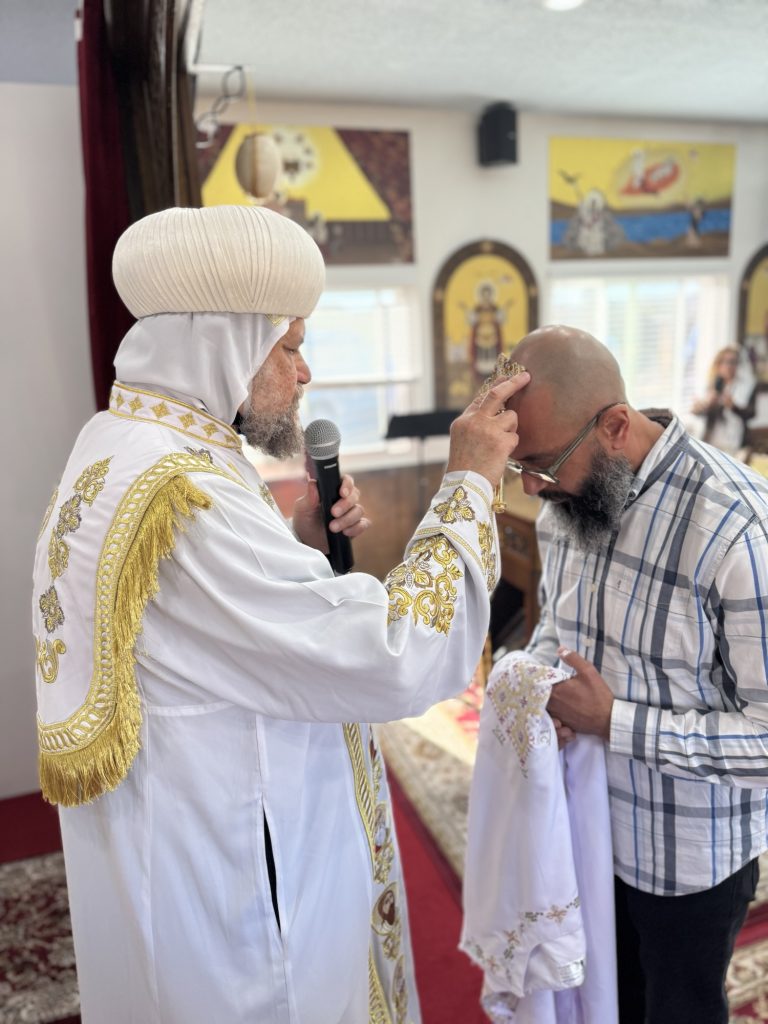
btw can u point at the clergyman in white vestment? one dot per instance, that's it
(202, 675)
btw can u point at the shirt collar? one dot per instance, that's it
(663, 453)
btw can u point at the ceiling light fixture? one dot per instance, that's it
(561, 5)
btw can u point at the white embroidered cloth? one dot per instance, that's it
(538, 882)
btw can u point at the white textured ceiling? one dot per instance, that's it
(702, 59)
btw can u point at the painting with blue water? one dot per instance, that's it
(630, 198)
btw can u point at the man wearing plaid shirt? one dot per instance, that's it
(654, 552)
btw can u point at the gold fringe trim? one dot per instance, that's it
(79, 776)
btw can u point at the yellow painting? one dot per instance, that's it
(630, 198)
(753, 314)
(485, 301)
(349, 188)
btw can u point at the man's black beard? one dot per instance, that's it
(590, 517)
(278, 434)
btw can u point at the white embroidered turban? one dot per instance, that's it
(220, 259)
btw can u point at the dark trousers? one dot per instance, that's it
(673, 951)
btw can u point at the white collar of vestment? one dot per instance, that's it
(150, 407)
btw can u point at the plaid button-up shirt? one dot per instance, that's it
(672, 612)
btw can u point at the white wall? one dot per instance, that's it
(456, 201)
(44, 342)
(44, 357)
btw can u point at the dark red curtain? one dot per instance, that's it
(106, 199)
(136, 111)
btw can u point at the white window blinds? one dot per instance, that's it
(663, 330)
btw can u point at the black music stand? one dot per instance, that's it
(421, 425)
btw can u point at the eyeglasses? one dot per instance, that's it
(549, 475)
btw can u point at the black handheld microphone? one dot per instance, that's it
(322, 440)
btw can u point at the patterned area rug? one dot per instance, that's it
(432, 758)
(38, 984)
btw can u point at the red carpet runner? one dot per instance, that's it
(448, 984)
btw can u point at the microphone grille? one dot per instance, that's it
(322, 439)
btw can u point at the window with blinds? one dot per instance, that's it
(663, 330)
(361, 347)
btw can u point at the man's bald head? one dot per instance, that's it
(572, 373)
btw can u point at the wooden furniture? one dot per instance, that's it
(520, 565)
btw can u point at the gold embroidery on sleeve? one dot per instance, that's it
(487, 553)
(429, 593)
(457, 507)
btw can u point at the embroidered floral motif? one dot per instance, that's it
(160, 410)
(48, 652)
(150, 407)
(519, 698)
(266, 494)
(201, 453)
(87, 487)
(58, 556)
(487, 553)
(400, 991)
(513, 939)
(412, 573)
(53, 616)
(91, 481)
(429, 593)
(455, 508)
(48, 511)
(69, 516)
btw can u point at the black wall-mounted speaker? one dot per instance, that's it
(497, 135)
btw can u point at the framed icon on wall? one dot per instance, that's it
(484, 301)
(753, 315)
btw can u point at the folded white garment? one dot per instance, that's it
(538, 881)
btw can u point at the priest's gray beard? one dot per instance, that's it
(589, 518)
(279, 434)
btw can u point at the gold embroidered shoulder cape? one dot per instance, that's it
(112, 518)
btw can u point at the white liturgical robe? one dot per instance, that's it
(242, 667)
(538, 882)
